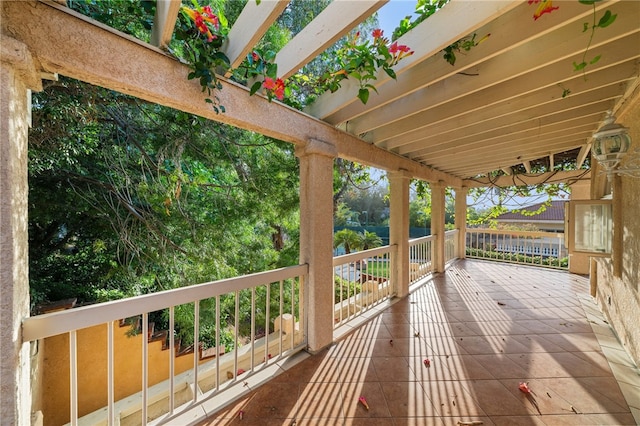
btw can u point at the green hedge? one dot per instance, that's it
(518, 258)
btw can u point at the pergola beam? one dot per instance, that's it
(102, 56)
(253, 22)
(337, 19)
(568, 176)
(164, 22)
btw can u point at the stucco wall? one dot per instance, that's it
(618, 292)
(92, 368)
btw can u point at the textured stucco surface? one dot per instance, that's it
(15, 402)
(619, 293)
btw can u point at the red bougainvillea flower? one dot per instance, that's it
(363, 401)
(240, 371)
(524, 387)
(377, 33)
(269, 83)
(544, 6)
(201, 17)
(275, 87)
(427, 362)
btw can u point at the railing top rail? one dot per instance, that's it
(419, 240)
(451, 232)
(352, 257)
(515, 232)
(46, 325)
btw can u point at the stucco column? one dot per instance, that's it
(437, 225)
(316, 239)
(399, 230)
(461, 221)
(17, 74)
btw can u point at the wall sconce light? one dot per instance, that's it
(611, 144)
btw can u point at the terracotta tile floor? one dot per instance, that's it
(485, 327)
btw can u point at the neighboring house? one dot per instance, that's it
(550, 220)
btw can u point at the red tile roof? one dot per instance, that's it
(553, 213)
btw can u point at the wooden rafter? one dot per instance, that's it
(164, 22)
(253, 22)
(337, 19)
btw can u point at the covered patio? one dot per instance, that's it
(485, 327)
(512, 111)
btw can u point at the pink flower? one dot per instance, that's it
(240, 371)
(240, 414)
(427, 362)
(255, 56)
(393, 48)
(377, 33)
(524, 387)
(363, 401)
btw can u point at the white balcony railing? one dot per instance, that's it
(361, 281)
(525, 247)
(260, 318)
(420, 258)
(450, 244)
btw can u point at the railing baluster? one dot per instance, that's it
(73, 377)
(218, 343)
(236, 327)
(145, 365)
(267, 319)
(110, 379)
(253, 328)
(280, 314)
(196, 347)
(172, 356)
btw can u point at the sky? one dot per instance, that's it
(390, 15)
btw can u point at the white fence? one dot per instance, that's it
(525, 247)
(268, 306)
(361, 280)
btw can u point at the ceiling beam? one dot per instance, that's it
(336, 20)
(253, 22)
(503, 68)
(535, 129)
(470, 112)
(569, 176)
(455, 20)
(73, 45)
(434, 68)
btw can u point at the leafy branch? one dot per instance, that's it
(607, 19)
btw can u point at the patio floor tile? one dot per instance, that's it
(485, 328)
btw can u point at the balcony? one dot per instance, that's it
(485, 327)
(456, 349)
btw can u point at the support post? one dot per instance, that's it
(399, 230)
(437, 224)
(316, 239)
(461, 221)
(17, 74)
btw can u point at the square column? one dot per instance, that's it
(461, 221)
(437, 225)
(316, 239)
(399, 230)
(17, 74)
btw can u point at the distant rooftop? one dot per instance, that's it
(553, 213)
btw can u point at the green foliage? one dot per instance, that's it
(344, 289)
(128, 198)
(360, 58)
(348, 239)
(605, 20)
(517, 258)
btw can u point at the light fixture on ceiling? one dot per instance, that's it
(611, 144)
